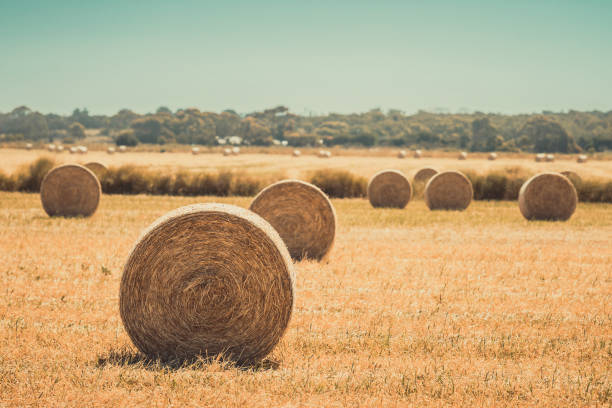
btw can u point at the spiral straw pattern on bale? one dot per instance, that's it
(97, 168)
(449, 190)
(302, 214)
(548, 196)
(390, 189)
(424, 174)
(70, 190)
(204, 280)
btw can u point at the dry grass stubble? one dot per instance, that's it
(415, 307)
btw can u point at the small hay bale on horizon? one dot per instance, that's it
(82, 149)
(389, 189)
(549, 197)
(540, 157)
(448, 190)
(462, 156)
(302, 214)
(550, 158)
(59, 148)
(51, 148)
(235, 150)
(492, 156)
(122, 149)
(227, 152)
(195, 151)
(28, 146)
(207, 280)
(70, 190)
(296, 153)
(401, 154)
(582, 158)
(110, 150)
(418, 154)
(423, 175)
(73, 150)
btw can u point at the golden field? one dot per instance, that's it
(361, 162)
(413, 307)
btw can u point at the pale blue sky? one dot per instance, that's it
(320, 56)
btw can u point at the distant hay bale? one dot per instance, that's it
(297, 153)
(324, 154)
(492, 156)
(51, 147)
(59, 149)
(573, 177)
(28, 146)
(540, 157)
(205, 280)
(418, 154)
(110, 150)
(227, 152)
(97, 168)
(195, 151)
(582, 158)
(424, 174)
(73, 150)
(235, 151)
(401, 154)
(462, 156)
(122, 149)
(548, 196)
(389, 189)
(302, 214)
(550, 157)
(82, 149)
(449, 190)
(70, 190)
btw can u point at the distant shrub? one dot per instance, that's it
(126, 138)
(340, 183)
(29, 178)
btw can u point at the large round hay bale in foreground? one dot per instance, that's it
(449, 190)
(424, 174)
(70, 190)
(548, 196)
(302, 214)
(389, 189)
(97, 168)
(204, 280)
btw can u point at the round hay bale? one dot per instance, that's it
(70, 190)
(418, 154)
(582, 158)
(302, 214)
(448, 190)
(97, 168)
(227, 152)
(327, 154)
(28, 146)
(548, 196)
(389, 189)
(122, 149)
(550, 157)
(82, 149)
(540, 157)
(297, 153)
(235, 151)
(195, 151)
(59, 148)
(424, 174)
(401, 154)
(573, 177)
(207, 279)
(73, 150)
(51, 147)
(492, 156)
(110, 150)
(462, 156)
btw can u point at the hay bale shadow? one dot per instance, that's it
(130, 358)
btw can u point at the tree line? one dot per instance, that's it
(564, 132)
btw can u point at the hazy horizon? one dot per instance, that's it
(345, 57)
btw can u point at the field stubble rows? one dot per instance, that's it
(413, 307)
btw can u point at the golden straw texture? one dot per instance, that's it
(97, 168)
(70, 190)
(423, 175)
(302, 214)
(449, 190)
(548, 196)
(573, 177)
(389, 188)
(204, 280)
